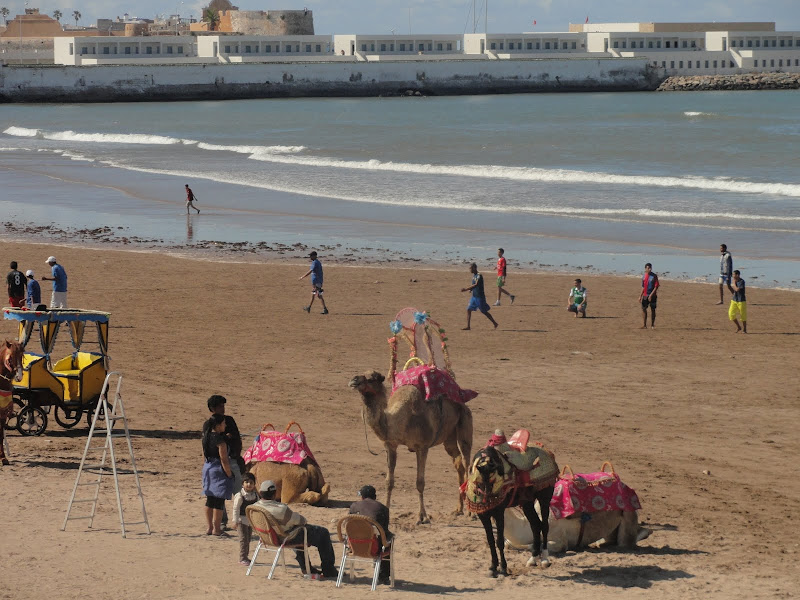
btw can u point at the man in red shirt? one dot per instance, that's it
(501, 277)
(190, 198)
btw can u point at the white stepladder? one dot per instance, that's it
(110, 415)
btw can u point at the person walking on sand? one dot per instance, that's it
(478, 300)
(59, 279)
(576, 302)
(216, 406)
(649, 295)
(738, 306)
(725, 270)
(316, 283)
(501, 277)
(190, 198)
(16, 286)
(33, 296)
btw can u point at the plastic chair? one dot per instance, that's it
(272, 538)
(364, 540)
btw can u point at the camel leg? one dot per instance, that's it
(422, 457)
(536, 529)
(500, 522)
(452, 449)
(391, 462)
(486, 521)
(308, 497)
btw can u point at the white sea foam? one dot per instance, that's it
(692, 113)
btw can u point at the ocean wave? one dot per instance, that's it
(692, 113)
(142, 139)
(605, 214)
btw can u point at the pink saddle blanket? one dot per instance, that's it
(274, 446)
(591, 492)
(434, 382)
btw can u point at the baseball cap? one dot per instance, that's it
(51, 259)
(267, 486)
(29, 273)
(367, 491)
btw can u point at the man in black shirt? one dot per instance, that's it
(216, 405)
(369, 506)
(16, 286)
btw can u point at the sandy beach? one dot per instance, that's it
(700, 421)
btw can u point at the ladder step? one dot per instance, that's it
(84, 500)
(78, 518)
(96, 466)
(115, 418)
(135, 522)
(90, 483)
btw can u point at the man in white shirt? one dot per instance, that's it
(319, 537)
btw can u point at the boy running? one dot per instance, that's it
(501, 277)
(478, 300)
(316, 283)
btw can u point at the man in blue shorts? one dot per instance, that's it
(725, 270)
(478, 300)
(316, 283)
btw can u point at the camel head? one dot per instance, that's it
(368, 385)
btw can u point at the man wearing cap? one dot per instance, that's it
(316, 283)
(369, 506)
(59, 279)
(319, 537)
(216, 405)
(33, 297)
(16, 286)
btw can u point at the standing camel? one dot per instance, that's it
(407, 419)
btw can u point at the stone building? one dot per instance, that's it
(33, 24)
(260, 22)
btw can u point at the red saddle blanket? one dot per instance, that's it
(591, 492)
(274, 446)
(434, 382)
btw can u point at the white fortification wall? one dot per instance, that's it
(154, 82)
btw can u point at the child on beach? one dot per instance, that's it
(478, 300)
(246, 496)
(577, 299)
(316, 283)
(738, 306)
(501, 277)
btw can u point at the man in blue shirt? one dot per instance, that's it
(59, 279)
(34, 292)
(478, 300)
(316, 283)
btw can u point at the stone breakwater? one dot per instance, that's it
(744, 81)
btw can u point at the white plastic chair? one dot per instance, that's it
(364, 541)
(272, 538)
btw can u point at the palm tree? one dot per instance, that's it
(57, 14)
(4, 11)
(77, 16)
(212, 18)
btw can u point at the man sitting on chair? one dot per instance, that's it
(318, 537)
(369, 506)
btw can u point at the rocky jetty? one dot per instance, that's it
(744, 81)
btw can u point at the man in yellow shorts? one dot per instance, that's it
(738, 307)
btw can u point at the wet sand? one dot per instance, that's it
(666, 406)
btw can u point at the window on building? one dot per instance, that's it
(372, 47)
(624, 44)
(672, 64)
(530, 46)
(616, 44)
(685, 44)
(363, 47)
(421, 47)
(450, 46)
(137, 50)
(439, 47)
(707, 64)
(664, 64)
(288, 49)
(502, 46)
(749, 43)
(268, 48)
(391, 47)
(680, 64)
(547, 45)
(667, 44)
(430, 46)
(574, 45)
(158, 49)
(538, 45)
(297, 47)
(493, 46)
(649, 44)
(383, 47)
(402, 47)
(772, 62)
(763, 63)
(731, 65)
(128, 50)
(563, 45)
(227, 49)
(790, 43)
(319, 48)
(658, 44)
(694, 44)
(149, 50)
(180, 49)
(796, 62)
(733, 43)
(698, 64)
(782, 43)
(780, 62)
(715, 64)
(758, 43)
(106, 50)
(71, 49)
(169, 49)
(774, 43)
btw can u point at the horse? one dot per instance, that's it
(11, 354)
(490, 481)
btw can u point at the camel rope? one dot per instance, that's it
(366, 437)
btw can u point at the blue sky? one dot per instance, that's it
(454, 16)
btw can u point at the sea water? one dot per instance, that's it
(574, 182)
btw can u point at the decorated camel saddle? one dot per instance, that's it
(274, 446)
(525, 465)
(428, 366)
(583, 493)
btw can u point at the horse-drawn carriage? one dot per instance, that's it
(72, 384)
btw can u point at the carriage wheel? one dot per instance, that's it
(68, 417)
(31, 420)
(90, 415)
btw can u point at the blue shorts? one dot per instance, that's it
(478, 304)
(724, 279)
